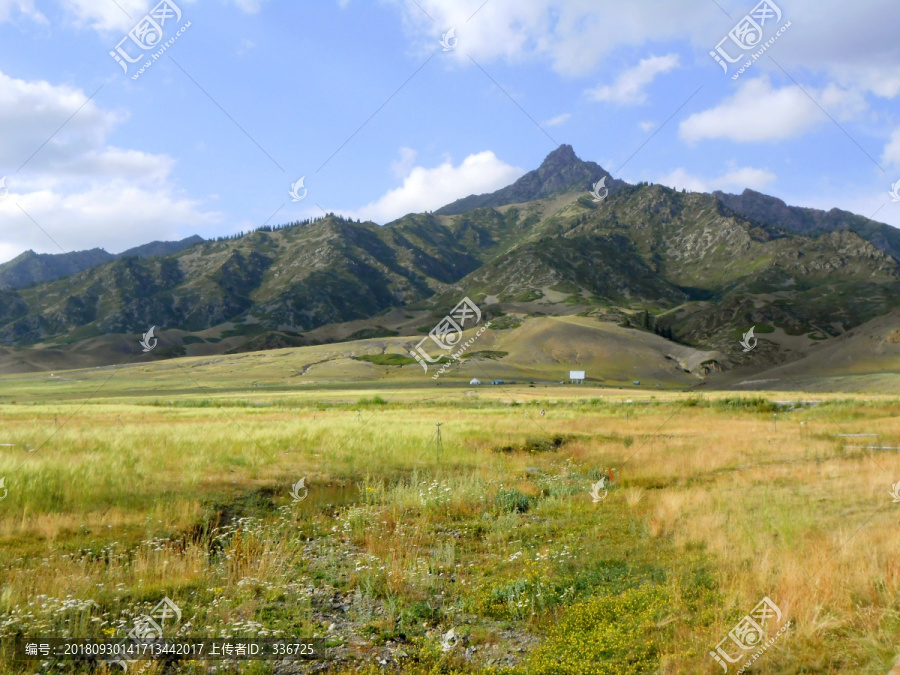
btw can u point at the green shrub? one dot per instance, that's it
(375, 400)
(386, 359)
(512, 500)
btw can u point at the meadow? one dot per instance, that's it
(116, 499)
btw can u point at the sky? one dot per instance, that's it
(386, 107)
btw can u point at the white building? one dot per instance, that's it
(576, 377)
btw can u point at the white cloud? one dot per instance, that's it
(573, 35)
(628, 89)
(9, 9)
(758, 112)
(81, 190)
(854, 45)
(559, 119)
(736, 179)
(428, 189)
(647, 126)
(106, 17)
(35, 109)
(892, 150)
(112, 214)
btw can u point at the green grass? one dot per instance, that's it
(386, 359)
(182, 489)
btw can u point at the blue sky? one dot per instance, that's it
(362, 100)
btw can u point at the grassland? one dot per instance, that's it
(123, 489)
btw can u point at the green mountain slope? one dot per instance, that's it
(774, 212)
(697, 269)
(31, 268)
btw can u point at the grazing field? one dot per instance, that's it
(117, 500)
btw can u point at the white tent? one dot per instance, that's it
(475, 380)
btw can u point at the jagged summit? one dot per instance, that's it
(561, 171)
(771, 211)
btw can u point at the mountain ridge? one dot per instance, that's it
(561, 171)
(804, 220)
(30, 268)
(697, 269)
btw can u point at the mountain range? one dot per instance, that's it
(32, 268)
(696, 269)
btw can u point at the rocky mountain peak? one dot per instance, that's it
(561, 171)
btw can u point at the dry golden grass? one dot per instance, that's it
(785, 510)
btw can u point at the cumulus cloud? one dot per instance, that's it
(427, 189)
(106, 17)
(853, 46)
(629, 87)
(759, 112)
(735, 180)
(573, 35)
(36, 108)
(114, 215)
(81, 190)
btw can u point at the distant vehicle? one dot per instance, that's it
(497, 382)
(636, 382)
